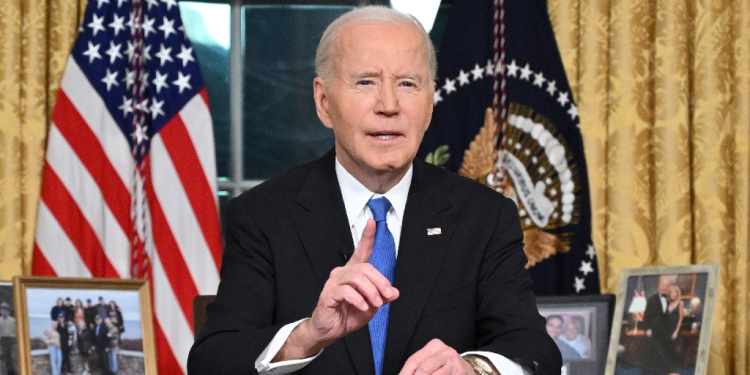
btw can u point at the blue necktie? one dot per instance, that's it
(384, 260)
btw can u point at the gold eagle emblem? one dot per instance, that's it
(478, 163)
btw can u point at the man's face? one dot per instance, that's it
(379, 99)
(664, 285)
(554, 326)
(571, 331)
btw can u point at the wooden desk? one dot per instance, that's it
(635, 347)
(690, 341)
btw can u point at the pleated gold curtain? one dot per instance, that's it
(35, 39)
(663, 92)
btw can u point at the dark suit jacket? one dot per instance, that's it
(101, 341)
(657, 359)
(467, 286)
(655, 319)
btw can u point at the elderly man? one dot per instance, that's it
(554, 328)
(7, 339)
(655, 323)
(438, 285)
(101, 344)
(574, 339)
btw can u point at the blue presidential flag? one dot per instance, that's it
(504, 115)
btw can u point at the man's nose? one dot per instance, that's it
(387, 100)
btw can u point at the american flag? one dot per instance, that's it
(129, 188)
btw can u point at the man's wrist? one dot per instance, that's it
(312, 341)
(301, 343)
(480, 365)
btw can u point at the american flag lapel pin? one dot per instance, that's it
(433, 231)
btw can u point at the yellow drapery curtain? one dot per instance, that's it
(35, 39)
(663, 92)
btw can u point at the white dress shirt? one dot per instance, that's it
(355, 197)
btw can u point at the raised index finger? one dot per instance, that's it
(363, 251)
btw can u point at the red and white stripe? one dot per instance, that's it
(84, 225)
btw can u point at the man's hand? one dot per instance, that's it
(352, 294)
(436, 358)
(350, 298)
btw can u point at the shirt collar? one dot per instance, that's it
(356, 195)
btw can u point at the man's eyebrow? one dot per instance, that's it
(369, 74)
(415, 76)
(364, 74)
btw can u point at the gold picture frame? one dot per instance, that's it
(643, 336)
(36, 300)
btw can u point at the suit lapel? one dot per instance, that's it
(320, 219)
(420, 257)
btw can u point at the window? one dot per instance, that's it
(261, 93)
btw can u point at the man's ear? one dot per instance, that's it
(432, 106)
(321, 102)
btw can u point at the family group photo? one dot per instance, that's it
(84, 332)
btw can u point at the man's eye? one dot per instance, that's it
(408, 84)
(364, 82)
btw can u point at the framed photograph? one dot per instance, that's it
(580, 326)
(84, 326)
(662, 320)
(8, 348)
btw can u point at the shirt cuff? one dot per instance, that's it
(503, 365)
(263, 364)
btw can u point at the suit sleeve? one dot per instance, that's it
(239, 323)
(508, 321)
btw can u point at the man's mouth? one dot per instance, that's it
(385, 135)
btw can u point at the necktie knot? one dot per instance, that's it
(379, 208)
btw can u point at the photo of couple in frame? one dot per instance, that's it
(662, 321)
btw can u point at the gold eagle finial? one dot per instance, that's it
(478, 158)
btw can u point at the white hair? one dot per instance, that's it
(324, 63)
